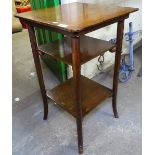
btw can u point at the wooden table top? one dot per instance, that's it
(76, 17)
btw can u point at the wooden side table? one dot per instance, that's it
(78, 95)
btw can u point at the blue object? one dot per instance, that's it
(129, 37)
(126, 69)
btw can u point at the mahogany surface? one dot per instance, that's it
(75, 44)
(92, 94)
(76, 17)
(89, 49)
(120, 29)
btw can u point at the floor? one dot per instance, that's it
(103, 134)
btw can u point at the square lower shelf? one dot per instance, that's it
(89, 49)
(92, 94)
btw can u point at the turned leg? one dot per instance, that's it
(38, 69)
(120, 29)
(75, 41)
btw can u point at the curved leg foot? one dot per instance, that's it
(81, 150)
(114, 106)
(38, 69)
(45, 113)
(116, 115)
(120, 28)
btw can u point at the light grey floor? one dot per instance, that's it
(103, 134)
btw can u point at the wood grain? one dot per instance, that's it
(92, 94)
(76, 17)
(89, 49)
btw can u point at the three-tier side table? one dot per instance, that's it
(78, 95)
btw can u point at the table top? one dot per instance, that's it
(76, 17)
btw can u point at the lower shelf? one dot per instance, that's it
(92, 94)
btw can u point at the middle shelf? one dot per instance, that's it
(89, 49)
(92, 94)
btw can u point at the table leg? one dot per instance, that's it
(75, 41)
(38, 68)
(120, 29)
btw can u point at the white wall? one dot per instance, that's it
(68, 1)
